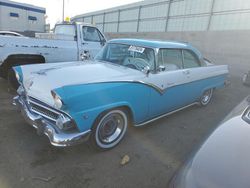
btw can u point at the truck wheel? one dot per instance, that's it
(12, 79)
(109, 129)
(206, 97)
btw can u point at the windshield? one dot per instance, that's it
(134, 57)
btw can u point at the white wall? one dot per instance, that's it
(179, 15)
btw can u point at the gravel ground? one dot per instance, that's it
(156, 150)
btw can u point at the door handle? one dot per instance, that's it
(186, 72)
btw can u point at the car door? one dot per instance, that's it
(92, 41)
(195, 75)
(170, 93)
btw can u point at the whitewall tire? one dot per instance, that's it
(110, 129)
(206, 97)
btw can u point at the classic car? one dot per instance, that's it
(222, 161)
(131, 81)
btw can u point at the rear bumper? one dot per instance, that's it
(43, 126)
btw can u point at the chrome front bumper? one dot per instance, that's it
(55, 135)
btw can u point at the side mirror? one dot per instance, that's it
(246, 79)
(85, 55)
(103, 41)
(161, 68)
(146, 70)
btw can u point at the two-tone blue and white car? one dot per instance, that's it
(131, 81)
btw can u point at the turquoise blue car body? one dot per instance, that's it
(89, 89)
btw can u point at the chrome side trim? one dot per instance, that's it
(161, 91)
(155, 87)
(164, 115)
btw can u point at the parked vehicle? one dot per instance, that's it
(131, 81)
(69, 42)
(223, 160)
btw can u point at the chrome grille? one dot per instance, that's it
(42, 109)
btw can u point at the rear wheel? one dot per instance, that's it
(206, 97)
(109, 129)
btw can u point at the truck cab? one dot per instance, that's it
(76, 41)
(89, 38)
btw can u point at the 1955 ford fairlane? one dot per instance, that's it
(131, 81)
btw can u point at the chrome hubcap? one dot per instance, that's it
(206, 96)
(111, 128)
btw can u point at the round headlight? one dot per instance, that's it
(64, 123)
(57, 100)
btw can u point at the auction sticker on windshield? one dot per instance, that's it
(136, 49)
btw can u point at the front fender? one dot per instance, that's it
(86, 102)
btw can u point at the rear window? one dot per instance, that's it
(65, 30)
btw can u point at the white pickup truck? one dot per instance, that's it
(69, 42)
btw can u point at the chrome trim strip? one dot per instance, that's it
(161, 91)
(164, 115)
(155, 87)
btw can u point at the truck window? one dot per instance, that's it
(65, 30)
(90, 34)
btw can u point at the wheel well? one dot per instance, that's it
(126, 108)
(130, 114)
(20, 59)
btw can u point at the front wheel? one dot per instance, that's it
(206, 97)
(109, 129)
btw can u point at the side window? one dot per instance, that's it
(90, 34)
(190, 61)
(171, 59)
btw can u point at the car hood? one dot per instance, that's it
(223, 160)
(39, 80)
